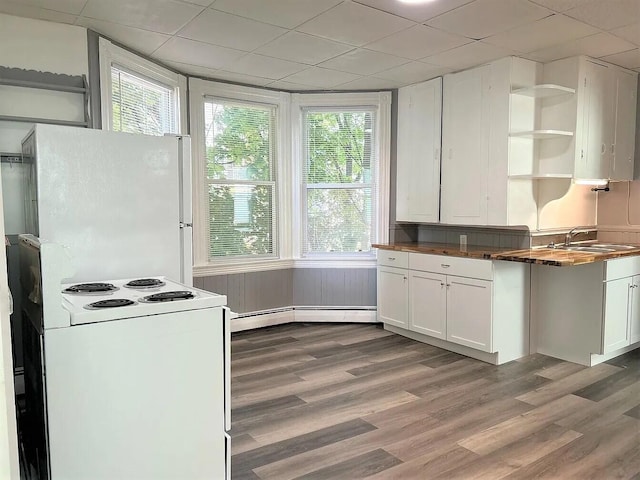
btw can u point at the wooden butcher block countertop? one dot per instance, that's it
(537, 255)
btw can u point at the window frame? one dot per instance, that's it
(112, 54)
(380, 103)
(201, 91)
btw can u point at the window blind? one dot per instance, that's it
(141, 105)
(339, 175)
(240, 173)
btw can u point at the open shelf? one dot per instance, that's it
(544, 91)
(541, 134)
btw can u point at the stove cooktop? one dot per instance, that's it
(134, 298)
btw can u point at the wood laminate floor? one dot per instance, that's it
(350, 401)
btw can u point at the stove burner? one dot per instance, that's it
(110, 303)
(90, 288)
(145, 283)
(168, 296)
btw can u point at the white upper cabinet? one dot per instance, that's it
(418, 165)
(465, 147)
(626, 88)
(601, 115)
(481, 184)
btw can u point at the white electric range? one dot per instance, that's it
(127, 379)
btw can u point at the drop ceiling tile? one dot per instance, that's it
(162, 16)
(354, 24)
(417, 12)
(364, 62)
(418, 42)
(266, 67)
(226, 30)
(412, 72)
(630, 33)
(197, 53)
(241, 78)
(203, 3)
(320, 77)
(194, 70)
(141, 40)
(597, 45)
(21, 10)
(284, 13)
(303, 48)
(468, 55)
(607, 14)
(483, 18)
(73, 7)
(629, 59)
(290, 86)
(543, 33)
(558, 5)
(370, 83)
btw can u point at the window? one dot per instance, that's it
(140, 105)
(339, 174)
(240, 170)
(139, 96)
(240, 139)
(343, 157)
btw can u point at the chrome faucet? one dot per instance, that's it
(572, 233)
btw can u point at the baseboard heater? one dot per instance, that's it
(303, 314)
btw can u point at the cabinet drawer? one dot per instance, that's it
(622, 267)
(391, 258)
(461, 267)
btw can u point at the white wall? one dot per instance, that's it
(42, 46)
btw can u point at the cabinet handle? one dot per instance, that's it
(441, 284)
(392, 258)
(604, 149)
(444, 265)
(448, 285)
(404, 278)
(613, 149)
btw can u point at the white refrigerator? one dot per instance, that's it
(120, 202)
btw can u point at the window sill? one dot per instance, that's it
(280, 264)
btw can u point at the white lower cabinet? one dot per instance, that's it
(392, 284)
(469, 312)
(427, 304)
(484, 314)
(588, 313)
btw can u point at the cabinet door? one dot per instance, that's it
(428, 304)
(465, 147)
(598, 123)
(469, 313)
(623, 149)
(618, 295)
(392, 296)
(634, 313)
(418, 167)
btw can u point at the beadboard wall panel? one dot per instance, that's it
(311, 287)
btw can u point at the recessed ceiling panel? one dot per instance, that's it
(303, 48)
(597, 45)
(266, 67)
(320, 77)
(197, 53)
(354, 24)
(483, 18)
(284, 13)
(607, 14)
(418, 42)
(418, 12)
(364, 62)
(468, 55)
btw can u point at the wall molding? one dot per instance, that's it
(303, 315)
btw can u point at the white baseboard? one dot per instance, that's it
(268, 319)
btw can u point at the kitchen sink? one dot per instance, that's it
(614, 247)
(594, 249)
